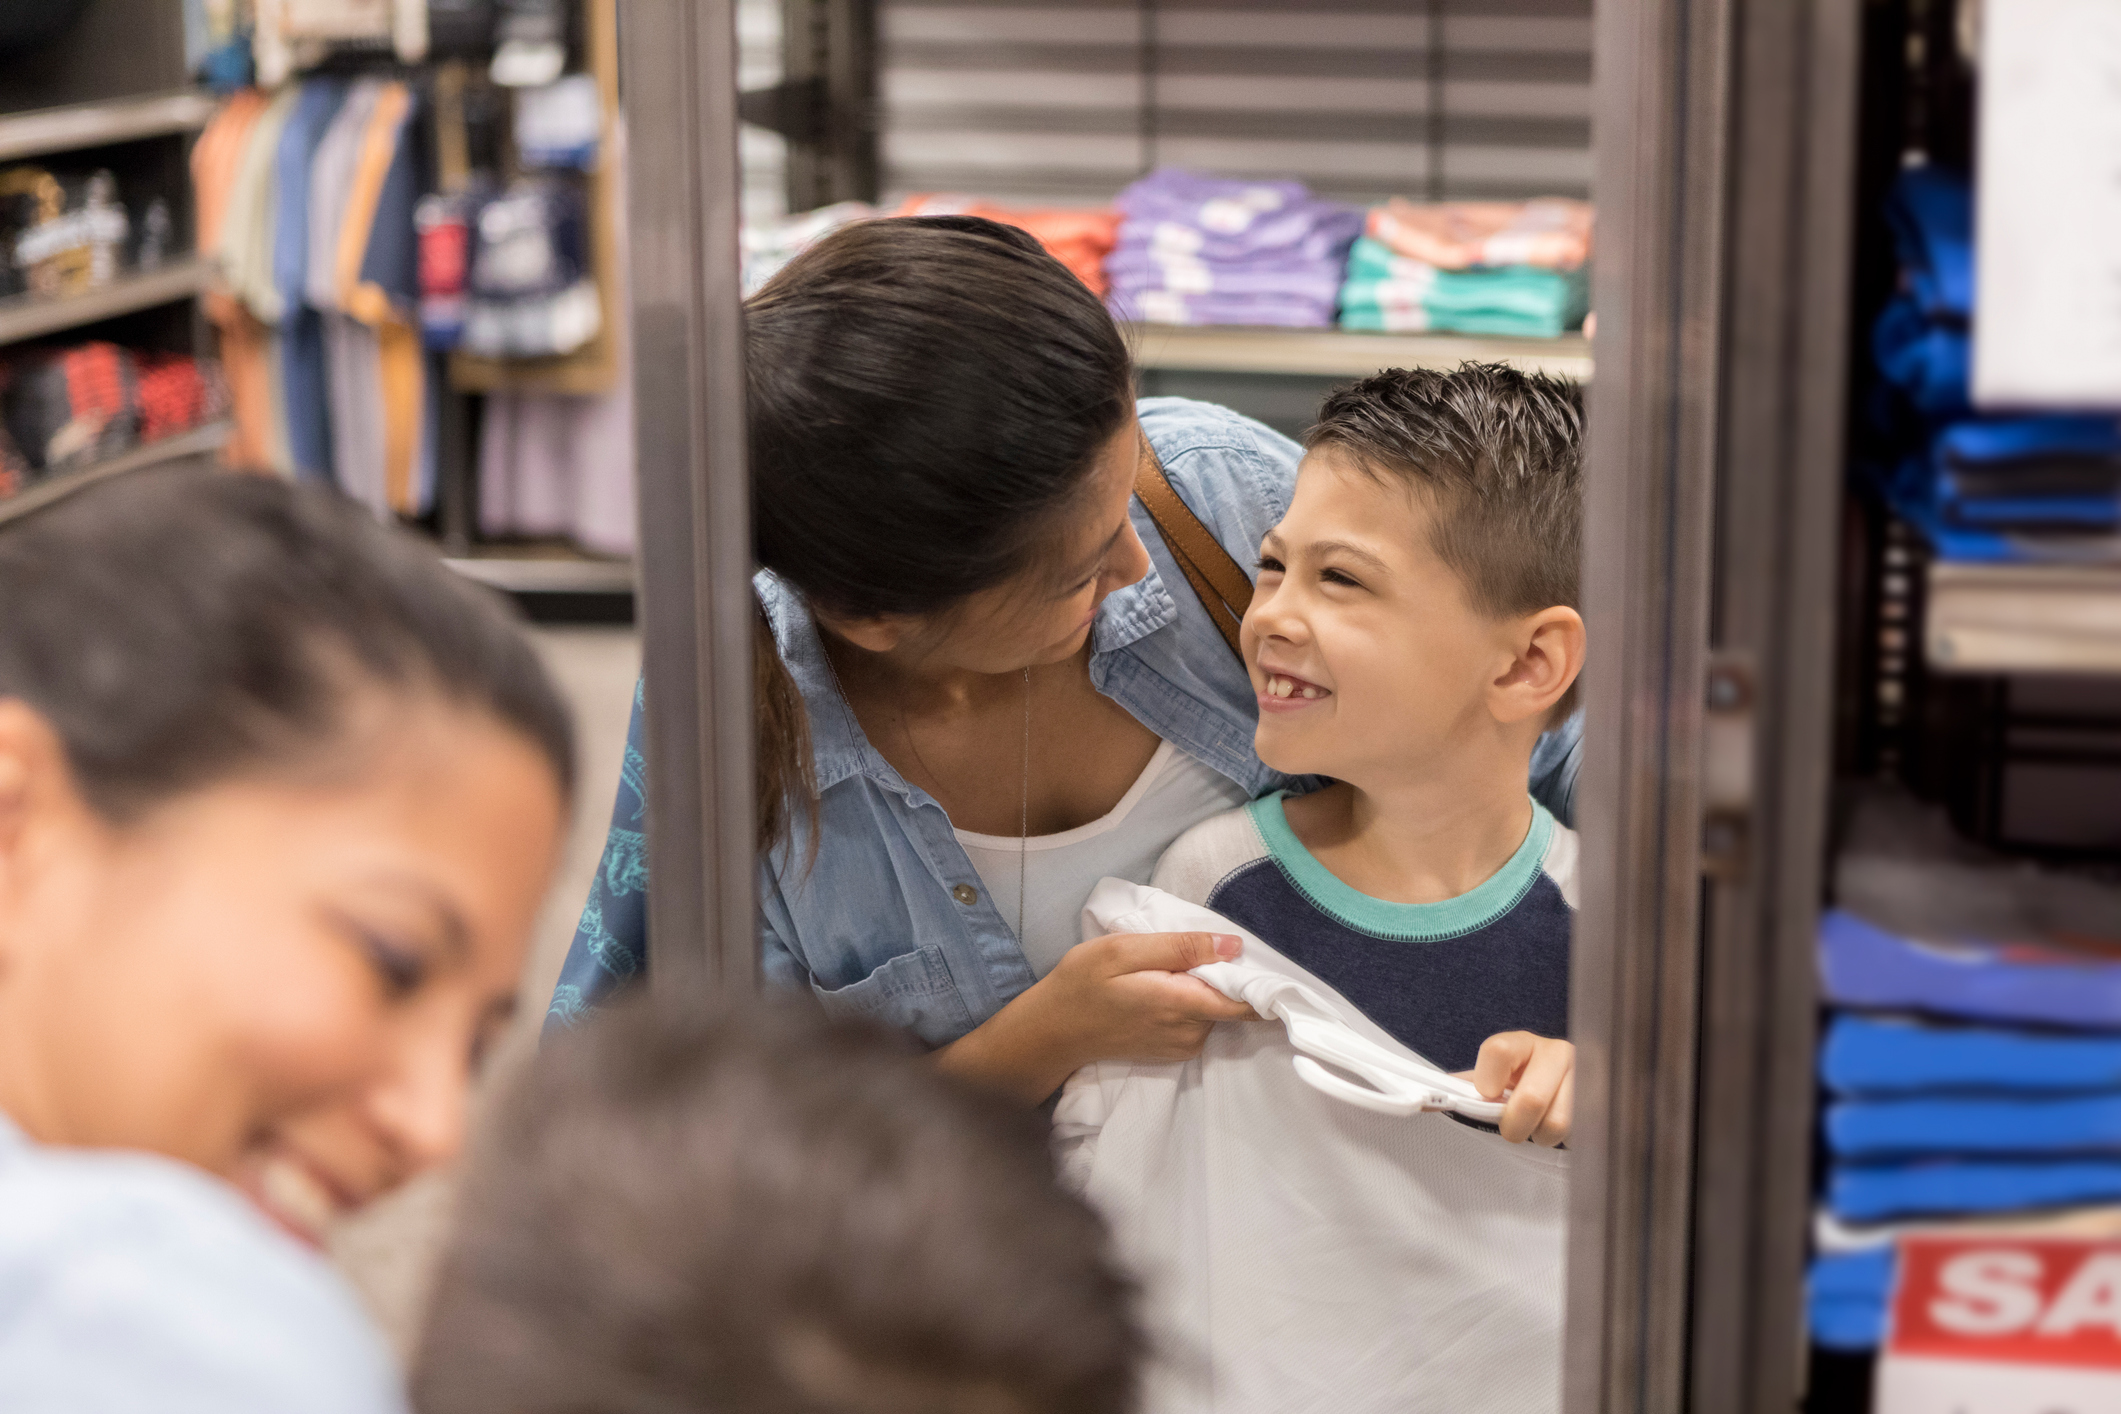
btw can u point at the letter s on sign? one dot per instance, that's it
(1990, 1293)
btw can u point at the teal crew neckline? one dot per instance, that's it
(1402, 922)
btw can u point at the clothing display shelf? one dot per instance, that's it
(1987, 618)
(43, 131)
(520, 575)
(34, 316)
(1346, 353)
(199, 442)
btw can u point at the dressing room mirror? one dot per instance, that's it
(1667, 1237)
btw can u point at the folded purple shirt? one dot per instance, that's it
(1168, 307)
(1314, 282)
(1183, 213)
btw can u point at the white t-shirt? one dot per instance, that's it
(1173, 794)
(1302, 1247)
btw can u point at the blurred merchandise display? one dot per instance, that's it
(1080, 240)
(67, 409)
(559, 125)
(1980, 486)
(67, 234)
(1194, 249)
(1514, 269)
(1972, 1051)
(1180, 248)
(392, 243)
(769, 245)
(532, 295)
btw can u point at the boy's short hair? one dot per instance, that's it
(1499, 453)
(759, 1209)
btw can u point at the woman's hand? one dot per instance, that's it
(1539, 1075)
(1122, 996)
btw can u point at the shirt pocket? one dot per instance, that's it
(912, 992)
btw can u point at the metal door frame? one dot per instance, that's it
(678, 91)
(1725, 145)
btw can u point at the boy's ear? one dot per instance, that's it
(1548, 649)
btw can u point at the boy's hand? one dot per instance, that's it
(1539, 1074)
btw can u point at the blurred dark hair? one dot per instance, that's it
(1499, 453)
(751, 1208)
(182, 627)
(927, 394)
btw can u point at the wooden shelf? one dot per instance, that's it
(46, 130)
(34, 316)
(540, 575)
(1984, 618)
(198, 442)
(1345, 353)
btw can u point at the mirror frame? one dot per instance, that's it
(1724, 142)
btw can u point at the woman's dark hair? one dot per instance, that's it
(752, 1208)
(182, 627)
(926, 395)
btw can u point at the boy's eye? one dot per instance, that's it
(1340, 577)
(1269, 565)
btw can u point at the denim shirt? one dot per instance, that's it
(874, 926)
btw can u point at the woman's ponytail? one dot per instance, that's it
(787, 781)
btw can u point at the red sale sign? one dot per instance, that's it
(2004, 1325)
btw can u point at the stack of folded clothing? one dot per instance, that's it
(1516, 269)
(1201, 250)
(1979, 487)
(1078, 239)
(1970, 1082)
(69, 408)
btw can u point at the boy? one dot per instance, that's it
(1412, 631)
(754, 1208)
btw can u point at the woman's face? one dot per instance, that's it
(285, 981)
(1043, 615)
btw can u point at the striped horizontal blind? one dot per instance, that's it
(1068, 100)
(764, 154)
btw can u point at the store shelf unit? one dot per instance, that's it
(42, 131)
(199, 442)
(1982, 618)
(34, 316)
(1344, 353)
(556, 589)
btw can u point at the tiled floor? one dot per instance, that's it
(389, 1250)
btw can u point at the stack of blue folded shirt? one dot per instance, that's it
(1981, 487)
(2005, 1099)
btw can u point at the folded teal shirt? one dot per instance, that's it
(873, 927)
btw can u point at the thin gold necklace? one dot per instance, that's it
(1023, 817)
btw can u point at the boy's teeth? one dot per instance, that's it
(1279, 686)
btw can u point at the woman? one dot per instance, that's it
(1010, 689)
(279, 797)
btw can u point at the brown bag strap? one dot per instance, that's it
(1218, 580)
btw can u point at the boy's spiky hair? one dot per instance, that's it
(1499, 454)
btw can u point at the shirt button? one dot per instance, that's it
(965, 894)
